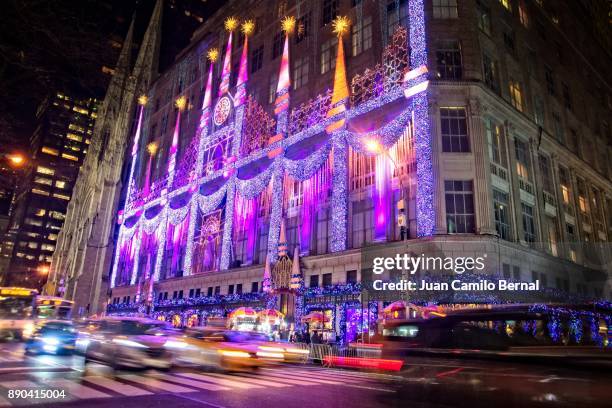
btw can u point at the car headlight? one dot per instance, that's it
(175, 344)
(129, 343)
(271, 349)
(234, 353)
(269, 354)
(28, 329)
(297, 351)
(83, 342)
(51, 341)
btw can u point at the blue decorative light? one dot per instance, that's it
(340, 196)
(425, 212)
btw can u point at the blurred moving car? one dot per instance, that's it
(52, 336)
(221, 349)
(128, 342)
(85, 329)
(275, 351)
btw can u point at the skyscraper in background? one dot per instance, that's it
(58, 147)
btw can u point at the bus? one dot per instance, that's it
(53, 307)
(17, 312)
(21, 308)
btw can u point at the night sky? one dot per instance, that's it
(46, 46)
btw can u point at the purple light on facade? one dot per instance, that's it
(314, 190)
(148, 253)
(381, 195)
(126, 261)
(308, 201)
(245, 215)
(177, 242)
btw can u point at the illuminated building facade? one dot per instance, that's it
(268, 157)
(57, 149)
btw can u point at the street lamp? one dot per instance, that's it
(16, 159)
(43, 269)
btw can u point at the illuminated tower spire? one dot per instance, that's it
(240, 98)
(281, 110)
(180, 103)
(341, 91)
(282, 240)
(213, 55)
(296, 274)
(230, 25)
(142, 101)
(284, 82)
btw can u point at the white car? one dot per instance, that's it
(129, 342)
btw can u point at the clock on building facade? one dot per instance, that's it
(222, 110)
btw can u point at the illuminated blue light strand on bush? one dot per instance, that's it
(554, 326)
(594, 328)
(575, 326)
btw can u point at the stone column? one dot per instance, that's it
(515, 195)
(439, 205)
(577, 214)
(482, 180)
(562, 236)
(539, 192)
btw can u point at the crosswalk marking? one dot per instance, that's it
(223, 381)
(152, 382)
(76, 389)
(149, 383)
(10, 359)
(255, 380)
(334, 375)
(285, 380)
(305, 379)
(191, 383)
(19, 384)
(121, 388)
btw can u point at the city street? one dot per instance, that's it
(423, 382)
